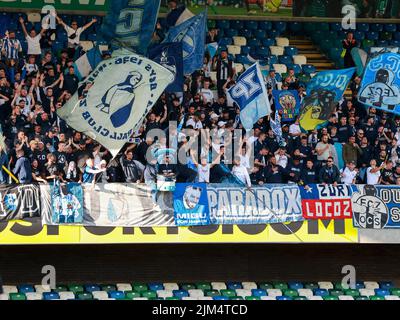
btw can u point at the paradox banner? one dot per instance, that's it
(258, 205)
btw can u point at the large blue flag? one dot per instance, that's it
(130, 23)
(251, 96)
(380, 86)
(192, 35)
(169, 55)
(323, 92)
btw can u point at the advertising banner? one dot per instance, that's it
(326, 201)
(72, 5)
(376, 207)
(258, 205)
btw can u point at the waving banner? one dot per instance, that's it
(287, 103)
(191, 204)
(323, 91)
(326, 201)
(376, 207)
(192, 35)
(115, 98)
(19, 202)
(251, 96)
(258, 205)
(130, 23)
(67, 203)
(380, 86)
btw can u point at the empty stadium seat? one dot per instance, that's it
(66, 295)
(392, 297)
(285, 59)
(51, 296)
(251, 24)
(267, 42)
(276, 50)
(231, 32)
(291, 51)
(259, 34)
(305, 292)
(239, 41)
(233, 50)
(117, 295)
(17, 296)
(295, 27)
(262, 51)
(246, 33)
(372, 35)
(280, 68)
(25, 288)
(367, 292)
(300, 60)
(325, 285)
(33, 296)
(253, 42)
(321, 292)
(362, 27)
(141, 287)
(335, 26)
(274, 292)
(390, 27)
(225, 41)
(386, 284)
(359, 35)
(265, 25)
(282, 42)
(279, 26)
(377, 27)
(124, 286)
(10, 289)
(236, 24)
(386, 35)
(196, 293)
(273, 34)
(249, 285)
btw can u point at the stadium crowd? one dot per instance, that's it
(40, 147)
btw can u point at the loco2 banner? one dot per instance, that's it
(376, 207)
(259, 205)
(326, 201)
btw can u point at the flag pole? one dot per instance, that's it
(10, 174)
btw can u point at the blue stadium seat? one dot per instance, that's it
(318, 36)
(51, 296)
(220, 298)
(296, 68)
(225, 41)
(92, 287)
(321, 292)
(156, 286)
(363, 27)
(223, 24)
(240, 58)
(253, 42)
(92, 37)
(245, 50)
(234, 285)
(291, 51)
(231, 33)
(25, 288)
(180, 293)
(260, 34)
(267, 42)
(285, 59)
(309, 27)
(262, 52)
(396, 35)
(265, 25)
(295, 285)
(377, 27)
(295, 27)
(283, 298)
(386, 284)
(382, 43)
(251, 24)
(341, 34)
(390, 27)
(273, 34)
(395, 43)
(247, 33)
(372, 35)
(236, 24)
(359, 35)
(382, 292)
(335, 26)
(116, 295)
(279, 26)
(331, 34)
(273, 59)
(258, 293)
(360, 285)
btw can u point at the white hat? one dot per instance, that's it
(221, 123)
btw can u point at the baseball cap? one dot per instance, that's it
(221, 123)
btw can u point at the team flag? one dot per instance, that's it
(130, 24)
(288, 102)
(169, 55)
(87, 63)
(115, 99)
(323, 92)
(277, 128)
(251, 96)
(380, 86)
(191, 34)
(212, 49)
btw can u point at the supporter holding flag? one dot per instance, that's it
(251, 96)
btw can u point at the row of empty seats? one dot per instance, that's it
(368, 290)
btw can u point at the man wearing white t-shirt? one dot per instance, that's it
(74, 34)
(208, 95)
(33, 39)
(348, 175)
(374, 172)
(204, 167)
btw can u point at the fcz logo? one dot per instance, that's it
(246, 87)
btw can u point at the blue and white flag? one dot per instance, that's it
(192, 35)
(212, 49)
(116, 98)
(251, 96)
(331, 80)
(191, 204)
(277, 128)
(169, 55)
(130, 23)
(87, 63)
(380, 86)
(288, 102)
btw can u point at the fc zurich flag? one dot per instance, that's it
(116, 97)
(87, 63)
(130, 23)
(169, 55)
(323, 91)
(251, 96)
(192, 35)
(380, 86)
